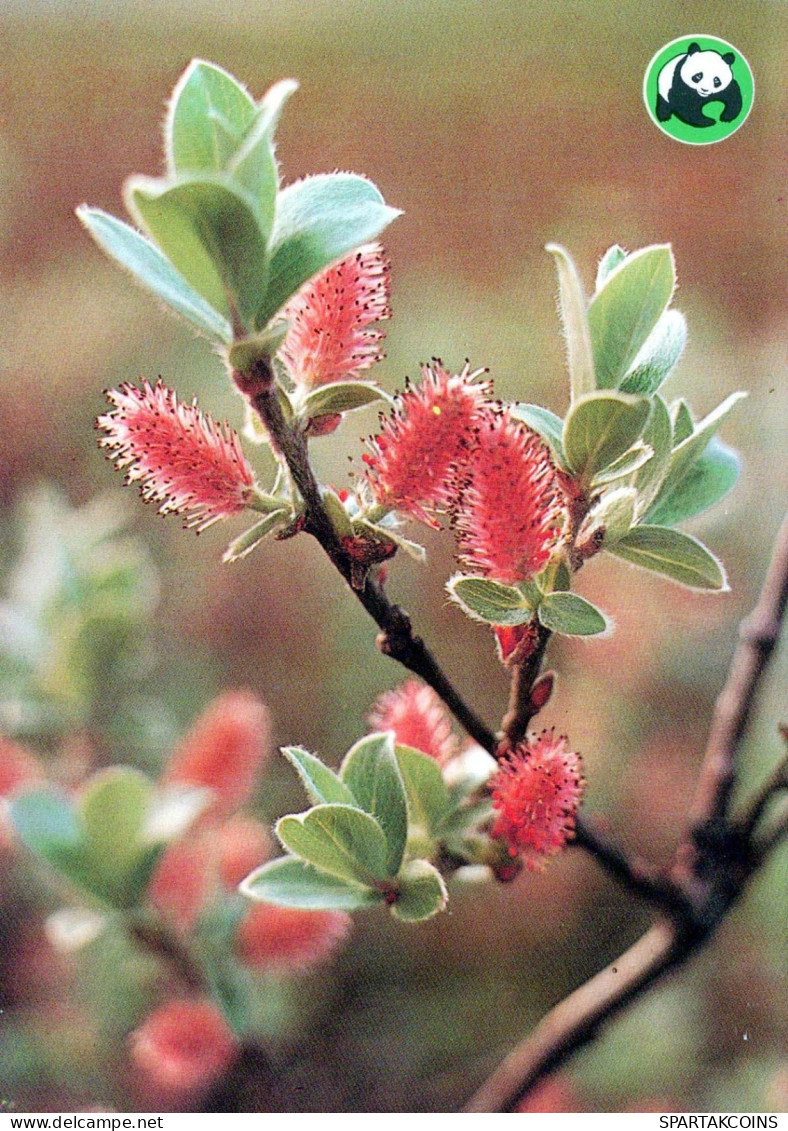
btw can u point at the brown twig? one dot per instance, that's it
(707, 881)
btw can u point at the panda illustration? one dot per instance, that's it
(691, 80)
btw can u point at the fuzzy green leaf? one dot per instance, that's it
(704, 484)
(658, 355)
(579, 352)
(611, 517)
(422, 892)
(209, 114)
(251, 538)
(318, 220)
(338, 839)
(321, 783)
(631, 461)
(489, 601)
(571, 615)
(674, 555)
(612, 258)
(626, 309)
(113, 810)
(370, 771)
(658, 434)
(147, 264)
(290, 882)
(549, 426)
(253, 166)
(211, 234)
(600, 428)
(340, 396)
(689, 451)
(681, 418)
(427, 793)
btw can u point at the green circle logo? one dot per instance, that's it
(698, 89)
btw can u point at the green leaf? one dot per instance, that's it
(318, 220)
(571, 615)
(209, 114)
(253, 166)
(489, 601)
(46, 822)
(674, 555)
(638, 455)
(338, 839)
(658, 435)
(689, 451)
(658, 355)
(579, 353)
(549, 426)
(422, 892)
(427, 793)
(704, 484)
(139, 256)
(612, 258)
(335, 509)
(611, 517)
(370, 771)
(251, 538)
(681, 418)
(211, 234)
(340, 396)
(113, 809)
(321, 784)
(290, 882)
(626, 309)
(600, 428)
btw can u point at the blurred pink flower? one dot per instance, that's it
(510, 509)
(537, 790)
(183, 1046)
(274, 938)
(224, 751)
(418, 718)
(431, 427)
(329, 338)
(180, 457)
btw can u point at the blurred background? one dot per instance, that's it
(497, 126)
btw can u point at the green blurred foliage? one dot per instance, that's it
(497, 127)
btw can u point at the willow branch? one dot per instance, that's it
(575, 1020)
(758, 638)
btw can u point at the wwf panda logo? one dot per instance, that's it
(691, 80)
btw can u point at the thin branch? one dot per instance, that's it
(521, 707)
(758, 636)
(576, 1019)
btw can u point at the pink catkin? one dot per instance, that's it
(224, 751)
(418, 718)
(537, 791)
(330, 338)
(510, 509)
(273, 938)
(183, 1046)
(179, 456)
(431, 428)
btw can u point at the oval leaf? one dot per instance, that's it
(321, 783)
(147, 264)
(318, 220)
(600, 428)
(113, 811)
(626, 309)
(338, 839)
(208, 117)
(549, 426)
(658, 355)
(658, 434)
(579, 353)
(211, 235)
(704, 484)
(571, 615)
(672, 554)
(340, 396)
(370, 771)
(290, 882)
(489, 601)
(427, 793)
(422, 892)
